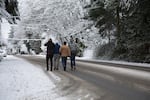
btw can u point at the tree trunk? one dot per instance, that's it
(118, 24)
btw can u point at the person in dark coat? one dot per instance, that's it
(50, 52)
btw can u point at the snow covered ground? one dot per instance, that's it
(20, 80)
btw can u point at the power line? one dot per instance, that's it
(22, 39)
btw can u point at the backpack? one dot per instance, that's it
(73, 48)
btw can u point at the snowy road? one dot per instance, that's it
(21, 80)
(28, 80)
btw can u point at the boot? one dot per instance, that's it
(64, 68)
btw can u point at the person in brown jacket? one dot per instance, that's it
(65, 52)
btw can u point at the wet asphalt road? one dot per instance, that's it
(94, 82)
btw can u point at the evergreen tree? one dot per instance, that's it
(131, 20)
(138, 32)
(103, 18)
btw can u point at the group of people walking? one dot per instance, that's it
(56, 51)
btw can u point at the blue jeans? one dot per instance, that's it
(64, 62)
(49, 57)
(72, 58)
(56, 59)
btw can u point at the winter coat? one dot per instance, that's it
(50, 47)
(64, 51)
(56, 48)
(73, 48)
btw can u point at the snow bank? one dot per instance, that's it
(20, 80)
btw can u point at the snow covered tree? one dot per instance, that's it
(56, 19)
(9, 9)
(137, 30)
(131, 24)
(103, 18)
